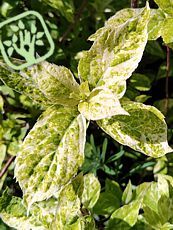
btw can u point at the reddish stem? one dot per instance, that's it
(6, 166)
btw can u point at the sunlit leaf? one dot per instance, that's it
(91, 190)
(116, 53)
(143, 130)
(101, 104)
(51, 153)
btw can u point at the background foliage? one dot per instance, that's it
(70, 24)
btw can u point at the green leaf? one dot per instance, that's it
(167, 30)
(39, 35)
(163, 186)
(14, 28)
(39, 43)
(156, 24)
(113, 187)
(166, 6)
(106, 204)
(152, 218)
(127, 194)
(66, 8)
(151, 197)
(21, 25)
(109, 200)
(144, 129)
(8, 43)
(91, 191)
(100, 104)
(55, 82)
(112, 58)
(125, 217)
(140, 82)
(10, 51)
(51, 153)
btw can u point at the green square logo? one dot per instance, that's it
(22, 36)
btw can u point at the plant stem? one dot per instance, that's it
(6, 166)
(167, 78)
(134, 3)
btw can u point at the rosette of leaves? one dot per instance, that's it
(53, 150)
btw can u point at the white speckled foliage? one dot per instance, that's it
(53, 150)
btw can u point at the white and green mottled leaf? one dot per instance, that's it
(22, 83)
(100, 104)
(44, 83)
(55, 82)
(125, 217)
(14, 214)
(44, 212)
(144, 129)
(91, 191)
(68, 208)
(166, 6)
(155, 24)
(118, 19)
(116, 53)
(51, 153)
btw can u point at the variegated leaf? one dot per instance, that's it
(91, 191)
(68, 209)
(144, 130)
(166, 6)
(51, 153)
(167, 31)
(14, 214)
(100, 104)
(118, 19)
(23, 84)
(55, 82)
(116, 53)
(44, 83)
(44, 213)
(156, 24)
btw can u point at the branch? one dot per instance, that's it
(6, 166)
(134, 3)
(167, 78)
(76, 18)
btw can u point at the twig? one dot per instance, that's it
(76, 18)
(6, 166)
(134, 3)
(167, 78)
